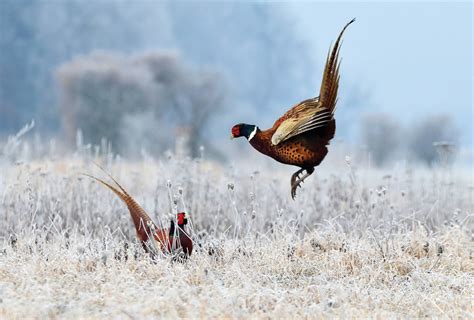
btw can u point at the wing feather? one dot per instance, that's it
(317, 112)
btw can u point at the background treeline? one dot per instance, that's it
(425, 140)
(252, 45)
(139, 77)
(139, 102)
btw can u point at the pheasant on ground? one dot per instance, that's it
(300, 137)
(174, 240)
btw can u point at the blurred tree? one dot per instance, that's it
(17, 43)
(36, 36)
(138, 101)
(426, 133)
(254, 44)
(381, 135)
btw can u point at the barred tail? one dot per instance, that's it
(143, 223)
(330, 82)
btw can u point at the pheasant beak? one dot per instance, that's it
(232, 137)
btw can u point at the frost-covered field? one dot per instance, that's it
(355, 243)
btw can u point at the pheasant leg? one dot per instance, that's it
(296, 181)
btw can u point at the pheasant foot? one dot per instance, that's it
(296, 181)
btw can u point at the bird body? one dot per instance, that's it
(306, 150)
(166, 240)
(300, 137)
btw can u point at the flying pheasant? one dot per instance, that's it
(170, 240)
(300, 137)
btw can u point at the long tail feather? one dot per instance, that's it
(110, 176)
(144, 226)
(330, 82)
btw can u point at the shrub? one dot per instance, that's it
(136, 101)
(428, 131)
(381, 135)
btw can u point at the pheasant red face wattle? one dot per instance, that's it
(235, 131)
(181, 218)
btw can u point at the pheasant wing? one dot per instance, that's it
(318, 112)
(305, 116)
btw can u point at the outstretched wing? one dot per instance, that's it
(305, 116)
(317, 112)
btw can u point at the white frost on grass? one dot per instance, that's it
(353, 244)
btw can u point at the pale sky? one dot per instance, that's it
(411, 59)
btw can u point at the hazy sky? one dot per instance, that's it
(409, 60)
(412, 59)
